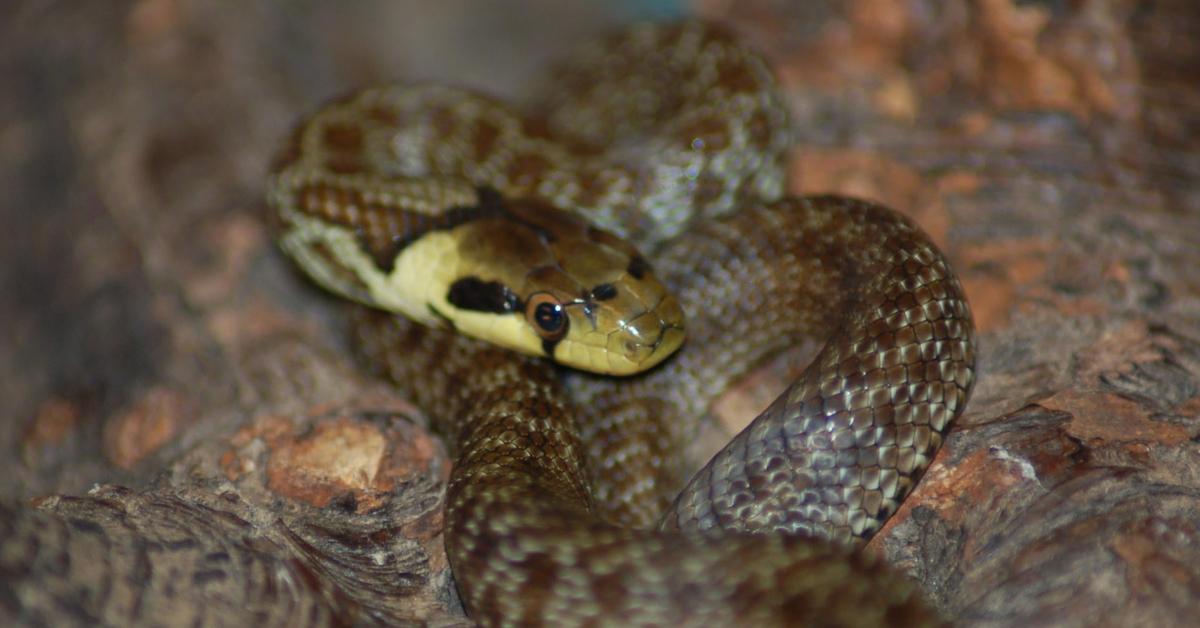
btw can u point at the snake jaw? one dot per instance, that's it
(620, 341)
(644, 340)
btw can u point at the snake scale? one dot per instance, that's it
(567, 504)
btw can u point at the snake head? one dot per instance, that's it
(563, 289)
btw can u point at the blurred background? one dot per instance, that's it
(171, 390)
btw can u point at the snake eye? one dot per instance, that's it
(546, 315)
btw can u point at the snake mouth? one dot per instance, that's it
(647, 339)
(670, 338)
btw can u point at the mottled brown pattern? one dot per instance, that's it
(553, 495)
(384, 229)
(588, 131)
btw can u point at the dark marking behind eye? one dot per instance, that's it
(604, 292)
(472, 293)
(548, 347)
(638, 267)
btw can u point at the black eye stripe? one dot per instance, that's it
(472, 293)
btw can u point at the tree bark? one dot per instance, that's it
(190, 439)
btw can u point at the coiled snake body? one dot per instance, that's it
(440, 204)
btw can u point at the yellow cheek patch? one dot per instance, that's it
(422, 276)
(507, 330)
(427, 268)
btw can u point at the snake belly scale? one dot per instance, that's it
(567, 504)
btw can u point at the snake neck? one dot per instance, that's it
(490, 405)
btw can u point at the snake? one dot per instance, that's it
(566, 286)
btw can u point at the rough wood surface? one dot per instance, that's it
(187, 436)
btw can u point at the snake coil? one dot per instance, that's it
(565, 506)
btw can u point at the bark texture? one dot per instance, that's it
(188, 438)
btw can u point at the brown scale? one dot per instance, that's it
(384, 230)
(561, 152)
(553, 498)
(528, 541)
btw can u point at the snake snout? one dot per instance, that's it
(650, 337)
